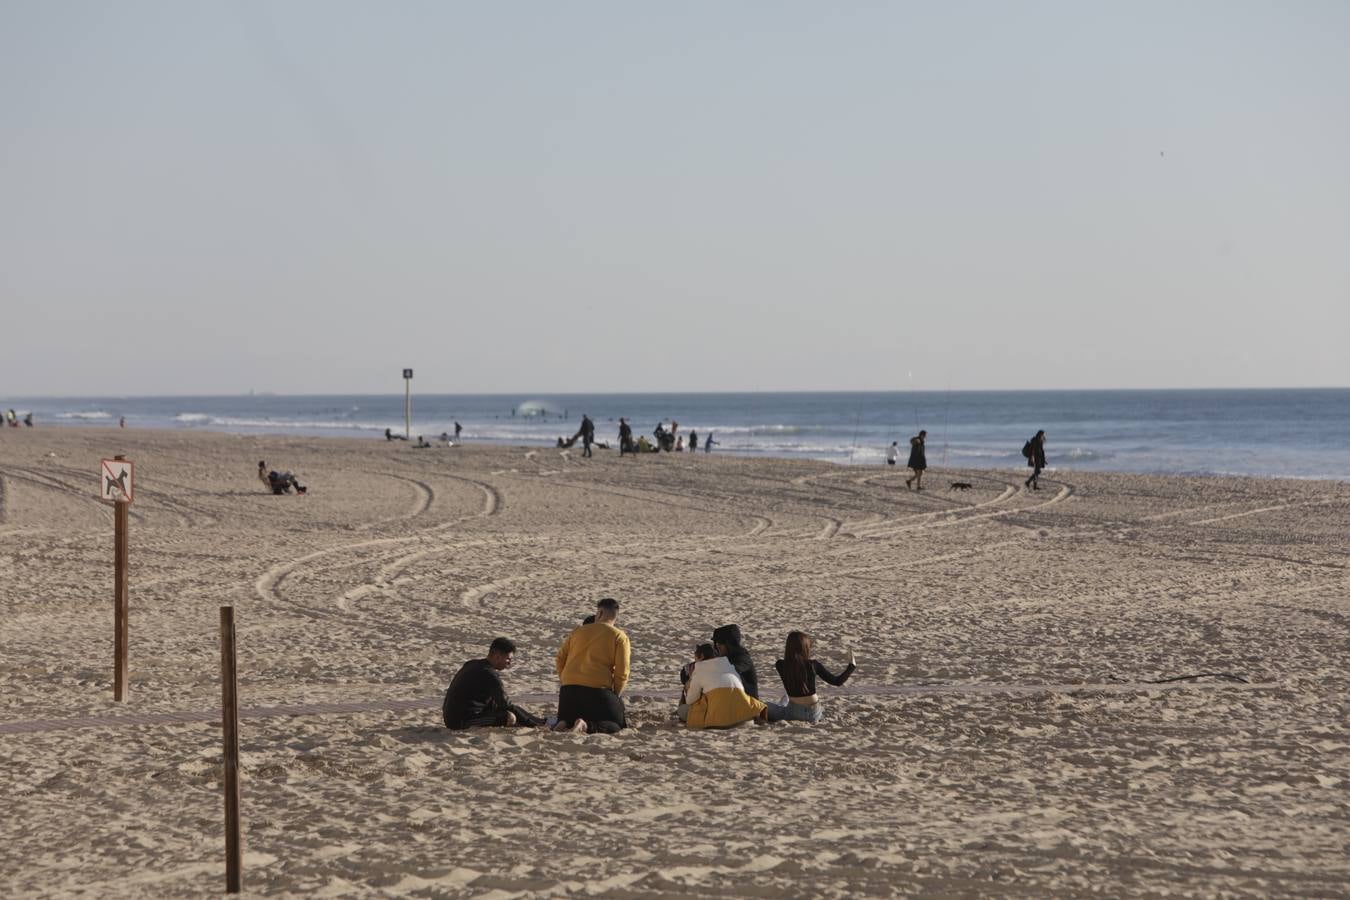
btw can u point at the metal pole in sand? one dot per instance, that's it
(229, 697)
(407, 403)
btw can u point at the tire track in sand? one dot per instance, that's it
(268, 585)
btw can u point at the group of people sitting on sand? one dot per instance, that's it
(721, 688)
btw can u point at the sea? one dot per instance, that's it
(1298, 433)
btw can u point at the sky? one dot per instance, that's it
(306, 197)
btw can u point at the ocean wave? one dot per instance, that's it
(195, 419)
(89, 415)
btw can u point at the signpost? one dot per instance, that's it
(116, 487)
(407, 403)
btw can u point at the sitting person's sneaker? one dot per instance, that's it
(300, 490)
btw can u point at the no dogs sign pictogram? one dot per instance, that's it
(114, 480)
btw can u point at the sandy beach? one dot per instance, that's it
(998, 739)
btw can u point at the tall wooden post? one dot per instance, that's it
(229, 696)
(121, 631)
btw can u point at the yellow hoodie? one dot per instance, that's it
(595, 655)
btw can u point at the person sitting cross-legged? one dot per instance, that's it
(476, 697)
(715, 697)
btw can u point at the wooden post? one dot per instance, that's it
(121, 632)
(234, 856)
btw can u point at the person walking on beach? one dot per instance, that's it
(476, 697)
(1034, 451)
(278, 482)
(918, 460)
(893, 454)
(799, 670)
(587, 434)
(593, 666)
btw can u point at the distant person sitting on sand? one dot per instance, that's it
(727, 640)
(278, 482)
(679, 444)
(12, 418)
(715, 697)
(893, 454)
(799, 670)
(918, 460)
(593, 665)
(28, 420)
(476, 697)
(390, 436)
(422, 443)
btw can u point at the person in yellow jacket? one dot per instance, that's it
(715, 696)
(593, 665)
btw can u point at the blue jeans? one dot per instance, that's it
(795, 712)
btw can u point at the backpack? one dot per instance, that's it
(1027, 450)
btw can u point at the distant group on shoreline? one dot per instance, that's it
(12, 419)
(720, 686)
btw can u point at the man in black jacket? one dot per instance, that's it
(476, 697)
(727, 639)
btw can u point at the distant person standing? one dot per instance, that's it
(625, 437)
(918, 460)
(587, 434)
(593, 666)
(693, 441)
(893, 454)
(1034, 451)
(122, 422)
(458, 429)
(708, 443)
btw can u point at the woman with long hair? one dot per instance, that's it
(799, 671)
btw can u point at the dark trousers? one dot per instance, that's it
(600, 707)
(1035, 476)
(496, 719)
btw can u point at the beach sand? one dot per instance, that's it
(400, 564)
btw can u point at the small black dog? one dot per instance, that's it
(960, 486)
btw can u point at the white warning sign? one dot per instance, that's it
(114, 480)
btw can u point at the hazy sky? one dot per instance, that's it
(309, 196)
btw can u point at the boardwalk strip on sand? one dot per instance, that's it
(33, 726)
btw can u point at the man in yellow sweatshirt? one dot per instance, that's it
(593, 670)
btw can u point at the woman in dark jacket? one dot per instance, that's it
(918, 461)
(728, 642)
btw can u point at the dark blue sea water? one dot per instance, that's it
(1301, 433)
